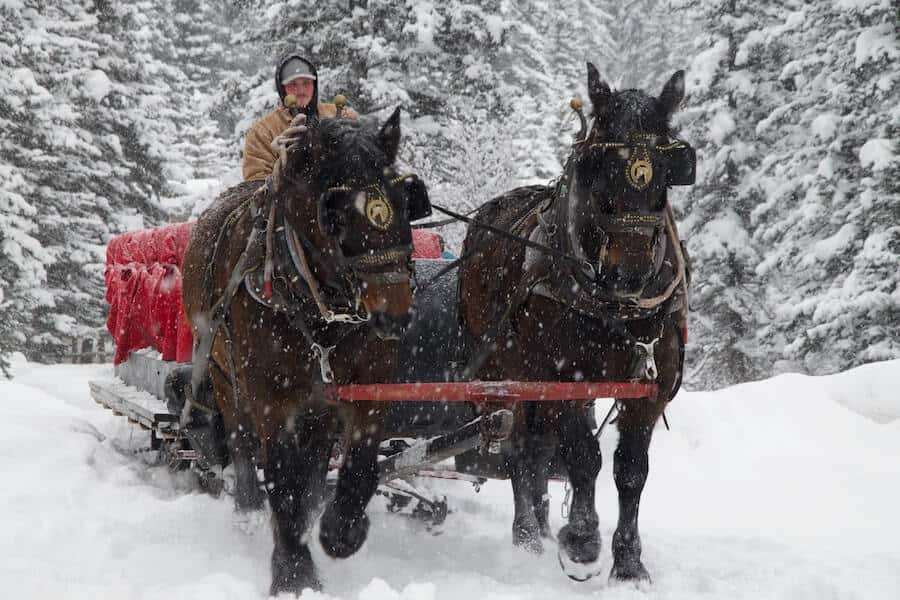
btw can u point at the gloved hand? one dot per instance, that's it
(294, 133)
(290, 136)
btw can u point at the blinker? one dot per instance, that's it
(681, 164)
(329, 219)
(674, 163)
(418, 204)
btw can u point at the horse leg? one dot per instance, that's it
(543, 452)
(521, 465)
(631, 465)
(296, 466)
(579, 540)
(344, 525)
(541, 492)
(242, 447)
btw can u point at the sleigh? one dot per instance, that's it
(438, 425)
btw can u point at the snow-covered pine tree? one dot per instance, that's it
(80, 171)
(652, 40)
(793, 221)
(829, 226)
(719, 120)
(22, 259)
(200, 69)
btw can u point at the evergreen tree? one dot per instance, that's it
(78, 168)
(715, 213)
(22, 260)
(793, 222)
(830, 219)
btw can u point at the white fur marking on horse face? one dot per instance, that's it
(359, 203)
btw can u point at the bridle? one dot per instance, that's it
(644, 159)
(370, 265)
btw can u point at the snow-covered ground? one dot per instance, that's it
(787, 488)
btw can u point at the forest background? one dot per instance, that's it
(117, 116)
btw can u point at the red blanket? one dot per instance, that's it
(143, 289)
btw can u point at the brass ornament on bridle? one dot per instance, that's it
(639, 169)
(378, 210)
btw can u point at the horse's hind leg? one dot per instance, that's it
(242, 447)
(296, 466)
(579, 540)
(541, 492)
(344, 525)
(528, 478)
(528, 467)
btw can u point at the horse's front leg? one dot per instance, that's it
(579, 540)
(631, 464)
(243, 447)
(296, 466)
(344, 525)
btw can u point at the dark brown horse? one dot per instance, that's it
(294, 288)
(604, 300)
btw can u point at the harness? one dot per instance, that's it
(556, 268)
(274, 268)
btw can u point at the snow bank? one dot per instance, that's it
(785, 488)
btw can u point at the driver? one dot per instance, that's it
(296, 81)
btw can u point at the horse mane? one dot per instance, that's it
(352, 152)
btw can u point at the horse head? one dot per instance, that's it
(355, 209)
(621, 171)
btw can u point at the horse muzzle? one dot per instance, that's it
(388, 299)
(628, 263)
(625, 282)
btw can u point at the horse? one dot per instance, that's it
(291, 287)
(594, 290)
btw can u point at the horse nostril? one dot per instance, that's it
(390, 327)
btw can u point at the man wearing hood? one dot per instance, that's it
(297, 83)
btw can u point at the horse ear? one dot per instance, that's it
(389, 136)
(672, 93)
(598, 91)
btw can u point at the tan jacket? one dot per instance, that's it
(259, 157)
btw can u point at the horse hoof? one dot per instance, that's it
(528, 542)
(527, 535)
(579, 554)
(295, 586)
(293, 573)
(629, 571)
(341, 537)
